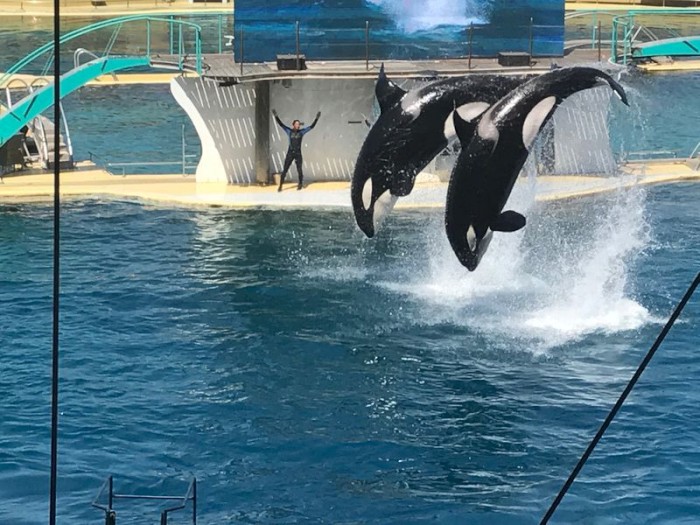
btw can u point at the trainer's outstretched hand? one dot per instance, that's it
(318, 114)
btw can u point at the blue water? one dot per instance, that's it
(305, 375)
(131, 125)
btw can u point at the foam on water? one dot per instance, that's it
(564, 278)
(414, 15)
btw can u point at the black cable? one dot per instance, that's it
(56, 254)
(621, 400)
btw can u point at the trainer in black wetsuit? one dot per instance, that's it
(295, 134)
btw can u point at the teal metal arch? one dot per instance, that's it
(174, 22)
(32, 106)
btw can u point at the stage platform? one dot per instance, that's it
(89, 181)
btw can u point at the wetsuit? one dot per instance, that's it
(294, 151)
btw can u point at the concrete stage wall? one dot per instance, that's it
(242, 144)
(224, 118)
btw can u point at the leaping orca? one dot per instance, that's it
(413, 127)
(493, 155)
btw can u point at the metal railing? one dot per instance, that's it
(651, 154)
(622, 46)
(120, 168)
(111, 514)
(694, 158)
(362, 43)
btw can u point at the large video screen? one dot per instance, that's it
(396, 29)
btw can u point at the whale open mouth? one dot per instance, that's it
(475, 247)
(374, 210)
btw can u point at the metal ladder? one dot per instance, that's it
(43, 132)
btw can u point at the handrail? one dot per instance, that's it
(17, 66)
(111, 516)
(69, 144)
(696, 151)
(646, 154)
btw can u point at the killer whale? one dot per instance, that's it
(494, 153)
(412, 128)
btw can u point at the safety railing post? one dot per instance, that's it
(180, 46)
(171, 32)
(221, 30)
(241, 39)
(198, 50)
(600, 44)
(530, 39)
(148, 38)
(471, 38)
(366, 45)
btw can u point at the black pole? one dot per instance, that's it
(56, 254)
(621, 400)
(471, 37)
(530, 41)
(194, 502)
(297, 38)
(599, 43)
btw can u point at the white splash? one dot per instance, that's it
(559, 279)
(421, 15)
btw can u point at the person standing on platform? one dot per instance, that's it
(295, 134)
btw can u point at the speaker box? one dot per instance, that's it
(513, 59)
(289, 62)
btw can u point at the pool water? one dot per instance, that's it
(306, 375)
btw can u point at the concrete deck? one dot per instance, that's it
(671, 66)
(122, 79)
(222, 67)
(89, 182)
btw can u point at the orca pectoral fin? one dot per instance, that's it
(386, 91)
(508, 221)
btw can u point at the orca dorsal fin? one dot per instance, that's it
(463, 128)
(508, 221)
(386, 91)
